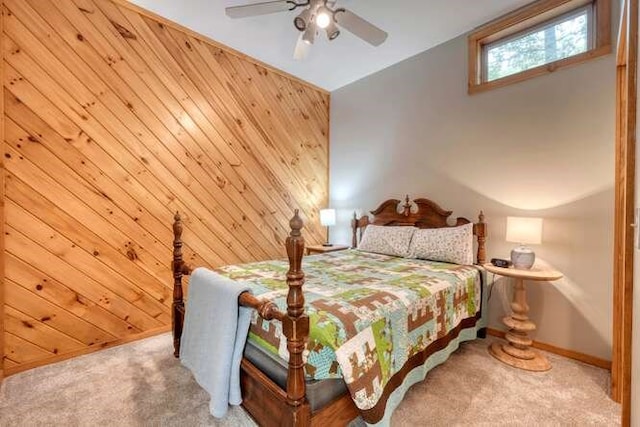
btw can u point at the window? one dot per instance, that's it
(542, 45)
(538, 39)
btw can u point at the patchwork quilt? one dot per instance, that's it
(370, 314)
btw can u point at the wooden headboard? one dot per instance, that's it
(427, 215)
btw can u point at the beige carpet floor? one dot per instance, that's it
(141, 384)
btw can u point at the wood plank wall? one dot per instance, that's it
(114, 120)
(2, 186)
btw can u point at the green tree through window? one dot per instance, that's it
(554, 41)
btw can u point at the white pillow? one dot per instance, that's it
(387, 240)
(447, 244)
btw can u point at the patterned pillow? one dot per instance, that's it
(448, 244)
(385, 240)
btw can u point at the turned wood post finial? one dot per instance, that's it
(296, 224)
(481, 234)
(177, 227)
(407, 206)
(295, 325)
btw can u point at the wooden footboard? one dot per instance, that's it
(266, 402)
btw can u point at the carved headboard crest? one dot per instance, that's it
(427, 214)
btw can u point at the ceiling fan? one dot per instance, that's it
(316, 15)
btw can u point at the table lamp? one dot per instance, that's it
(525, 231)
(327, 219)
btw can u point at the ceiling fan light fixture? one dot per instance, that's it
(323, 18)
(301, 20)
(309, 35)
(332, 31)
(314, 15)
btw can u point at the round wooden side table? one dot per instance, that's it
(518, 352)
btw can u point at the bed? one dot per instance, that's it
(313, 358)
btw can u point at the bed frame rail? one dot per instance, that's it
(295, 323)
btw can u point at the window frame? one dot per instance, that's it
(526, 19)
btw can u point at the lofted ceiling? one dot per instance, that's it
(413, 26)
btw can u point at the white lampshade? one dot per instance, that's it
(524, 230)
(327, 217)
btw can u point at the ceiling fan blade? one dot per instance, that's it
(263, 8)
(302, 49)
(360, 27)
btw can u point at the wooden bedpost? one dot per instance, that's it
(481, 234)
(177, 265)
(295, 324)
(354, 229)
(357, 224)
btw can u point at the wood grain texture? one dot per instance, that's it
(571, 354)
(14, 368)
(626, 110)
(161, 19)
(518, 352)
(2, 196)
(113, 120)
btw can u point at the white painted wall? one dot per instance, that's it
(544, 147)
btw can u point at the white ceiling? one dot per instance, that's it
(413, 26)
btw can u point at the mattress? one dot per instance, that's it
(319, 392)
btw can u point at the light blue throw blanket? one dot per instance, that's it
(215, 331)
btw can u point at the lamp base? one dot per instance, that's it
(522, 257)
(327, 244)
